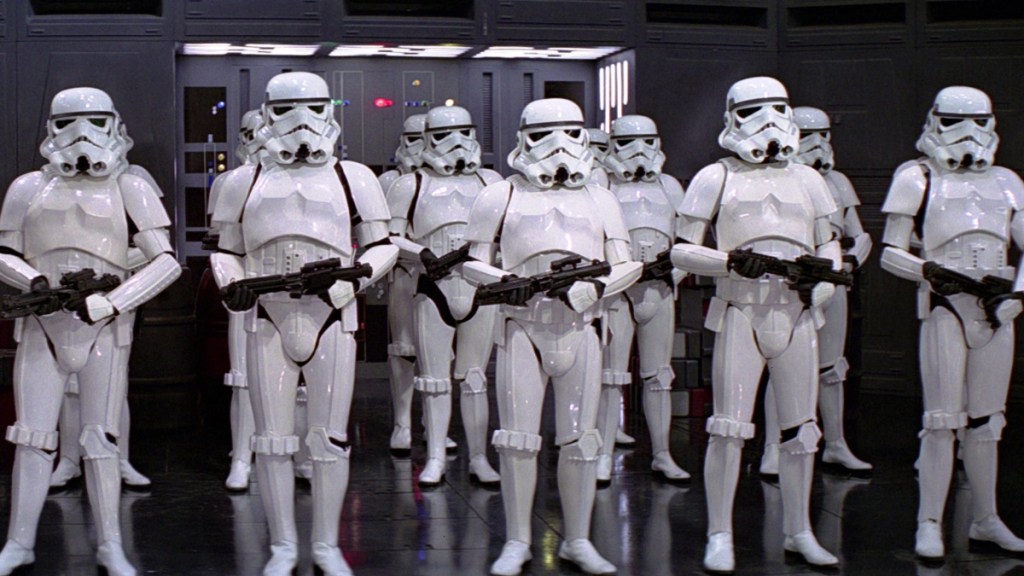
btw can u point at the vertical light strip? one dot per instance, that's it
(618, 89)
(608, 98)
(600, 89)
(625, 82)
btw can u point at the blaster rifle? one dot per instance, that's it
(806, 270)
(439, 267)
(74, 288)
(659, 269)
(991, 291)
(564, 272)
(312, 278)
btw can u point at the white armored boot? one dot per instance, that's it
(517, 454)
(277, 491)
(577, 483)
(658, 410)
(721, 474)
(68, 466)
(329, 484)
(935, 471)
(103, 481)
(475, 416)
(608, 421)
(242, 430)
(437, 413)
(129, 475)
(770, 458)
(796, 471)
(981, 461)
(830, 402)
(28, 493)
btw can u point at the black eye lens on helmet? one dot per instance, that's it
(538, 136)
(624, 141)
(649, 141)
(947, 122)
(983, 122)
(281, 110)
(62, 124)
(781, 108)
(827, 135)
(439, 136)
(601, 147)
(746, 112)
(317, 109)
(412, 139)
(575, 133)
(466, 132)
(98, 122)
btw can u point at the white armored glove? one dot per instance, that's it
(583, 294)
(819, 294)
(339, 294)
(98, 308)
(1007, 311)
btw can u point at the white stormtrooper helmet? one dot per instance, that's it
(815, 138)
(759, 122)
(636, 149)
(248, 145)
(450, 145)
(410, 150)
(552, 148)
(298, 117)
(84, 134)
(599, 144)
(961, 130)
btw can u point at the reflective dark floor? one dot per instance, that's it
(187, 524)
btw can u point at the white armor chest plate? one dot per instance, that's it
(765, 203)
(306, 202)
(82, 215)
(558, 221)
(965, 204)
(439, 221)
(649, 216)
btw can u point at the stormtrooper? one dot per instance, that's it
(429, 210)
(966, 212)
(537, 218)
(68, 465)
(286, 258)
(599, 144)
(816, 151)
(761, 205)
(649, 200)
(74, 216)
(242, 423)
(402, 288)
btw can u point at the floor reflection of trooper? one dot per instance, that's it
(76, 524)
(833, 508)
(403, 505)
(435, 540)
(611, 527)
(772, 538)
(656, 555)
(250, 534)
(473, 547)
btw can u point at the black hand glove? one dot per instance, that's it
(41, 285)
(238, 298)
(933, 273)
(741, 262)
(805, 291)
(852, 261)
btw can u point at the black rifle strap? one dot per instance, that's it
(430, 289)
(923, 209)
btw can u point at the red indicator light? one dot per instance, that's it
(383, 103)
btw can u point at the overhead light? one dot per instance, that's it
(222, 49)
(400, 51)
(552, 53)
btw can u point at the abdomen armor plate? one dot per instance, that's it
(563, 221)
(81, 215)
(763, 204)
(298, 202)
(959, 204)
